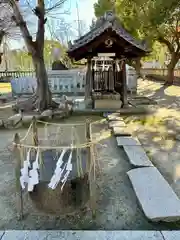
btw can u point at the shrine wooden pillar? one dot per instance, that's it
(114, 75)
(124, 86)
(88, 85)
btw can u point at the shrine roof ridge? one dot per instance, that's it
(103, 23)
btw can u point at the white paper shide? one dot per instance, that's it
(30, 177)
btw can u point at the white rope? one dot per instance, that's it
(61, 124)
(28, 131)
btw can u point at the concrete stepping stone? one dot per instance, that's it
(114, 118)
(81, 235)
(156, 197)
(127, 141)
(117, 114)
(1, 234)
(171, 235)
(137, 156)
(116, 124)
(27, 235)
(120, 131)
(107, 114)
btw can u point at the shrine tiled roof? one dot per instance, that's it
(102, 24)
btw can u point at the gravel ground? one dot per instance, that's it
(117, 206)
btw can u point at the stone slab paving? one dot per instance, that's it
(1, 234)
(120, 131)
(137, 156)
(127, 141)
(116, 124)
(81, 235)
(114, 118)
(157, 199)
(171, 235)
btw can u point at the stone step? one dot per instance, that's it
(137, 156)
(81, 235)
(127, 141)
(112, 117)
(171, 235)
(120, 131)
(116, 124)
(156, 197)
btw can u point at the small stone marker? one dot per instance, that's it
(137, 156)
(127, 141)
(116, 124)
(120, 131)
(156, 197)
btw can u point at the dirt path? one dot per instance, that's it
(117, 206)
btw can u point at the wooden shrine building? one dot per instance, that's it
(106, 47)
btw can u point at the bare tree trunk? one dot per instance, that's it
(42, 99)
(1, 39)
(137, 66)
(43, 94)
(170, 68)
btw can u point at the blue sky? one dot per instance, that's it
(86, 10)
(86, 13)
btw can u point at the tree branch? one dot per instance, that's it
(167, 43)
(57, 5)
(177, 35)
(18, 18)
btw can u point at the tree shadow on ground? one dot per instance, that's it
(162, 79)
(158, 132)
(167, 97)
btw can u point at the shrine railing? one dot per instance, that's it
(67, 82)
(5, 75)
